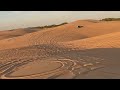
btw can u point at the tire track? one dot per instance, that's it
(65, 65)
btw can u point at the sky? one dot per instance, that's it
(21, 19)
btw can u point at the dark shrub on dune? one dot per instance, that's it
(48, 26)
(80, 26)
(111, 19)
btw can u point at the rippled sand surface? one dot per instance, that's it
(63, 52)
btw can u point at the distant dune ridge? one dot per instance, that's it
(74, 45)
(14, 33)
(22, 31)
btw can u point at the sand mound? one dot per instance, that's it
(111, 40)
(65, 33)
(14, 33)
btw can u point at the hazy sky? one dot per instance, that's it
(21, 19)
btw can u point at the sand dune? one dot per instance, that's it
(111, 40)
(14, 33)
(68, 32)
(66, 52)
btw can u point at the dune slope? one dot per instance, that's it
(67, 51)
(65, 33)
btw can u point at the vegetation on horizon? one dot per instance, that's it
(111, 19)
(48, 26)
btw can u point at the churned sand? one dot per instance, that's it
(63, 52)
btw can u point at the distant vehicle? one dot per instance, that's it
(80, 26)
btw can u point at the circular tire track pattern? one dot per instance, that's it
(65, 65)
(72, 68)
(45, 62)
